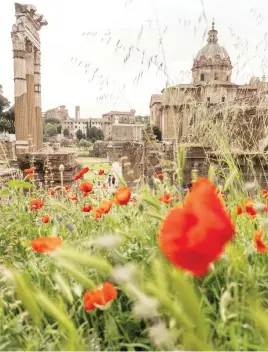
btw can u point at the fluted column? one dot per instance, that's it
(20, 92)
(38, 110)
(30, 93)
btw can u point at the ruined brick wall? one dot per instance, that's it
(253, 167)
(133, 163)
(195, 158)
(152, 161)
(115, 150)
(47, 166)
(99, 149)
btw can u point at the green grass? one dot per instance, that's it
(95, 164)
(159, 307)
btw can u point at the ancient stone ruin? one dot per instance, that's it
(27, 77)
(28, 112)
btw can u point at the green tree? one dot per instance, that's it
(142, 119)
(52, 120)
(79, 134)
(84, 144)
(95, 134)
(50, 130)
(7, 116)
(66, 132)
(59, 128)
(10, 117)
(88, 131)
(4, 125)
(4, 103)
(157, 133)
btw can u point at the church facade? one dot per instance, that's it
(178, 109)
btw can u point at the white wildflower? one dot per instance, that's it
(265, 224)
(5, 274)
(124, 273)
(109, 242)
(145, 307)
(250, 186)
(259, 207)
(77, 289)
(15, 304)
(160, 336)
(225, 301)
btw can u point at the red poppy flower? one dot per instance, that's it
(249, 208)
(84, 170)
(45, 219)
(86, 186)
(46, 244)
(159, 176)
(29, 171)
(166, 198)
(193, 236)
(72, 197)
(100, 296)
(106, 205)
(29, 176)
(122, 195)
(87, 208)
(101, 172)
(36, 204)
(265, 193)
(104, 185)
(97, 213)
(258, 242)
(81, 173)
(52, 192)
(78, 176)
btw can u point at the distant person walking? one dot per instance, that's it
(109, 180)
(113, 181)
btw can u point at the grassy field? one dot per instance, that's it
(95, 164)
(169, 271)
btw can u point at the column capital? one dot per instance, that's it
(18, 41)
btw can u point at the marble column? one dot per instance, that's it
(20, 92)
(38, 110)
(31, 93)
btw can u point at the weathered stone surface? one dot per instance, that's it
(195, 159)
(8, 174)
(7, 152)
(47, 166)
(26, 53)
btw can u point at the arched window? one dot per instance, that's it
(216, 76)
(202, 77)
(208, 99)
(227, 78)
(223, 99)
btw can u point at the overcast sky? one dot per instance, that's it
(171, 29)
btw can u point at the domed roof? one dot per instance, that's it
(212, 53)
(211, 50)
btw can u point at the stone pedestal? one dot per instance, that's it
(47, 166)
(21, 147)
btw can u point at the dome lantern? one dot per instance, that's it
(212, 62)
